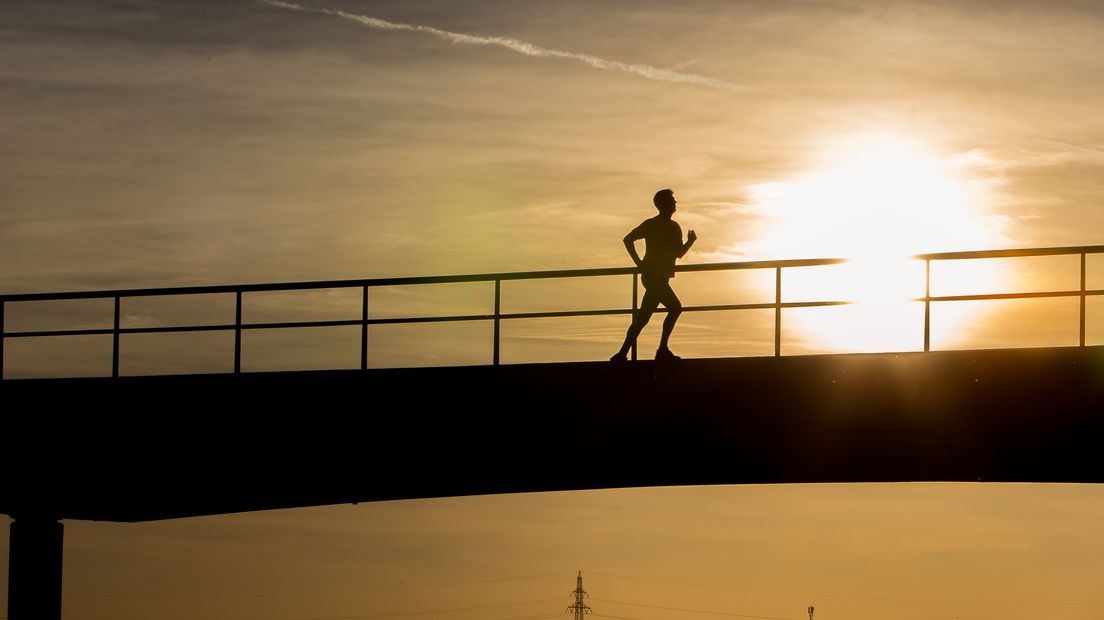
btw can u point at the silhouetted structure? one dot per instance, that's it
(579, 607)
(240, 291)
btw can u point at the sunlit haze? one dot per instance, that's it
(877, 199)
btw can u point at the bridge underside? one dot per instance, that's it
(142, 448)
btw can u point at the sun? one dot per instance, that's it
(876, 199)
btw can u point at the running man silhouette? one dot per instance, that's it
(663, 244)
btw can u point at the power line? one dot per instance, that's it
(315, 593)
(403, 614)
(855, 597)
(545, 575)
(696, 611)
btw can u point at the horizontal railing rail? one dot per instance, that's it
(238, 290)
(403, 281)
(1014, 253)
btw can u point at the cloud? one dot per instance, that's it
(731, 208)
(1093, 150)
(527, 49)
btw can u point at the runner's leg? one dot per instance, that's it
(674, 308)
(644, 314)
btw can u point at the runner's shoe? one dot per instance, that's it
(664, 355)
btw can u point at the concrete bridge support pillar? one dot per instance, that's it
(34, 568)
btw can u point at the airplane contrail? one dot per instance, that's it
(1080, 148)
(521, 47)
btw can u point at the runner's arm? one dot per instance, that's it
(630, 244)
(691, 237)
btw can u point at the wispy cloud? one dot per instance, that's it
(729, 208)
(1084, 149)
(527, 49)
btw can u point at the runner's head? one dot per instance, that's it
(664, 200)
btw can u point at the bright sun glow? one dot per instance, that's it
(876, 199)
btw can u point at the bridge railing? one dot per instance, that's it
(1082, 292)
(497, 316)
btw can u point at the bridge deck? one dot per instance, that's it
(128, 449)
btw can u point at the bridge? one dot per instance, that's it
(132, 448)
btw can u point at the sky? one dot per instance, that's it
(166, 143)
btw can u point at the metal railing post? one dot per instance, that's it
(115, 339)
(1082, 339)
(777, 311)
(497, 316)
(927, 305)
(237, 330)
(364, 329)
(2, 303)
(636, 306)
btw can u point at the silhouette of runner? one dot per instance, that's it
(663, 244)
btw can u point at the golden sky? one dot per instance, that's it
(162, 143)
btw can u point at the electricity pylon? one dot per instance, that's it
(579, 608)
